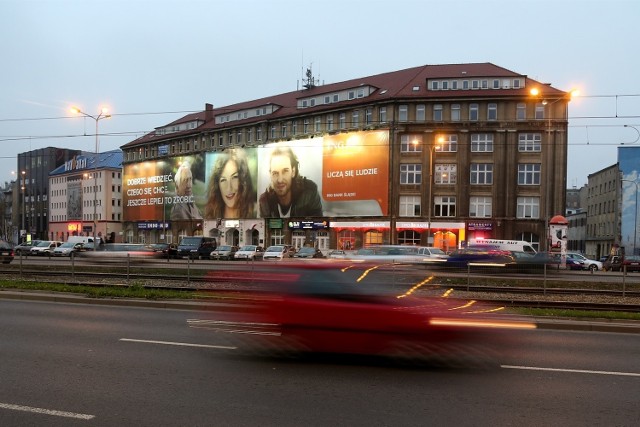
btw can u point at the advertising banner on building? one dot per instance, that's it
(337, 175)
(74, 200)
(629, 163)
(168, 189)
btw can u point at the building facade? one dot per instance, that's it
(431, 155)
(31, 213)
(86, 197)
(603, 212)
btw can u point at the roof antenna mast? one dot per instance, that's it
(309, 82)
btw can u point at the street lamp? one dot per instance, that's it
(635, 217)
(637, 138)
(432, 149)
(102, 115)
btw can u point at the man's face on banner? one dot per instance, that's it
(282, 174)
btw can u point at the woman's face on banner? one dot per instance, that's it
(229, 184)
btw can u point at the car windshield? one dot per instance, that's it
(224, 248)
(306, 250)
(250, 248)
(44, 244)
(4, 245)
(67, 245)
(275, 249)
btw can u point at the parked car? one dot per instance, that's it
(165, 250)
(570, 263)
(432, 255)
(68, 248)
(226, 252)
(627, 263)
(6, 252)
(277, 252)
(307, 252)
(337, 254)
(45, 247)
(588, 264)
(25, 248)
(196, 247)
(250, 253)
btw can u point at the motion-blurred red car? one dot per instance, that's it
(325, 309)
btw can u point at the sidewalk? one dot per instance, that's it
(603, 325)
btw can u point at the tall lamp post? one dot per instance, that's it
(432, 148)
(102, 115)
(635, 216)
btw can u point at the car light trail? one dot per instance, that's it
(436, 321)
(179, 344)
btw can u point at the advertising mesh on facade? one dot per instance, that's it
(337, 175)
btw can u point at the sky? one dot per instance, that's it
(153, 61)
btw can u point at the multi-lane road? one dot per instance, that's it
(91, 365)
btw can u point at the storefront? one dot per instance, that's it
(440, 234)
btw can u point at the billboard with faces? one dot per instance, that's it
(340, 175)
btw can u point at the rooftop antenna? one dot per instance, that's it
(309, 82)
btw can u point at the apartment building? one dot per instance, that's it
(86, 197)
(430, 155)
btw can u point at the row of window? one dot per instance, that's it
(328, 123)
(455, 112)
(479, 207)
(87, 217)
(480, 173)
(601, 229)
(87, 189)
(601, 208)
(528, 142)
(475, 84)
(86, 203)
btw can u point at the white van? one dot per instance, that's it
(87, 241)
(505, 245)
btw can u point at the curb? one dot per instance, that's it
(617, 326)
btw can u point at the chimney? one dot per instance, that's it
(208, 112)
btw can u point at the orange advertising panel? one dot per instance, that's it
(356, 169)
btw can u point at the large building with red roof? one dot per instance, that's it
(434, 155)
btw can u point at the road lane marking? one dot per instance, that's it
(46, 411)
(180, 344)
(576, 371)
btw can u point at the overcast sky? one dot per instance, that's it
(153, 61)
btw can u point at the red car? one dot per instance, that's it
(327, 308)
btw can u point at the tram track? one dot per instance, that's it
(550, 297)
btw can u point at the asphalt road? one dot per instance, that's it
(90, 365)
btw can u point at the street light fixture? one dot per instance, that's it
(637, 138)
(103, 114)
(635, 217)
(432, 149)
